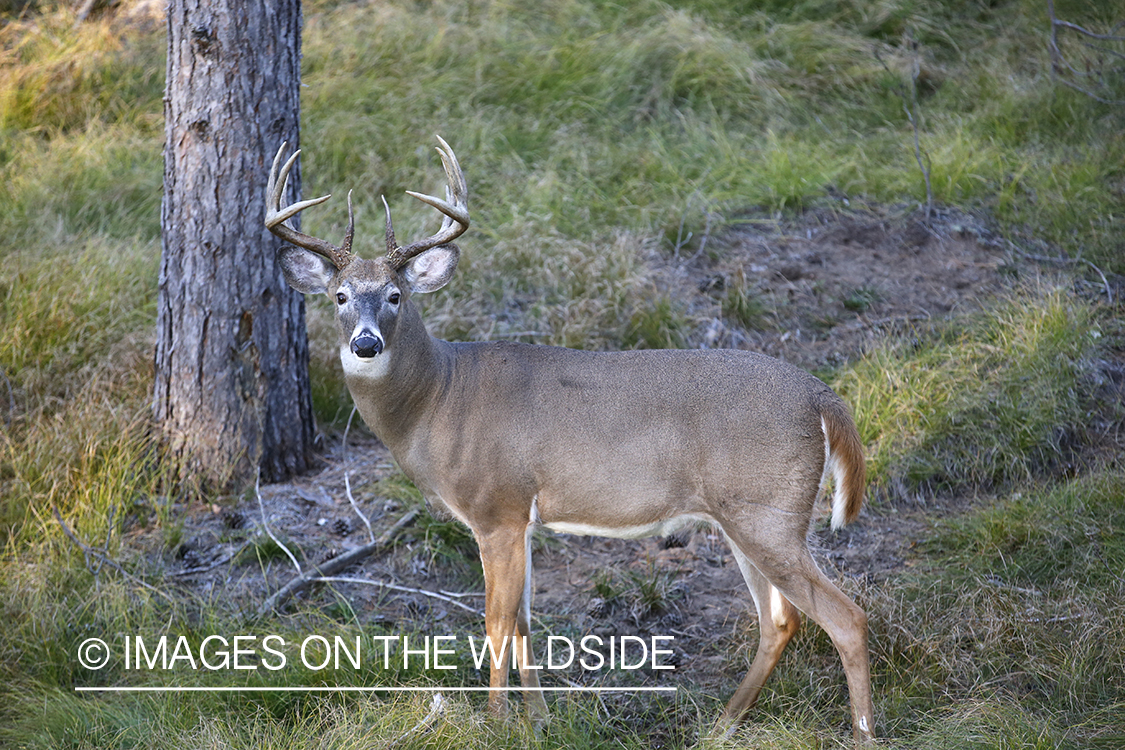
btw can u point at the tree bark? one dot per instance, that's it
(231, 392)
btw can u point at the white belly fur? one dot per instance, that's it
(659, 528)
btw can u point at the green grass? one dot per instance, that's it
(1074, 535)
(596, 137)
(984, 402)
(1011, 629)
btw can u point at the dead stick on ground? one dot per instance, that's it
(1066, 261)
(330, 567)
(104, 559)
(437, 708)
(210, 566)
(404, 589)
(266, 525)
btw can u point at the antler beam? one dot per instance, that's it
(276, 216)
(455, 207)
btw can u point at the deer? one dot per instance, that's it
(507, 436)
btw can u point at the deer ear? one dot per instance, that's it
(306, 271)
(432, 269)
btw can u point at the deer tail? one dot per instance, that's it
(844, 458)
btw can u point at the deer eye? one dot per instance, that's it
(393, 298)
(341, 298)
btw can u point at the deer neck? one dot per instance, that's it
(396, 392)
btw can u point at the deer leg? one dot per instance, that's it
(529, 673)
(778, 621)
(503, 555)
(786, 563)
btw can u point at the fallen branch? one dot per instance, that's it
(406, 590)
(437, 708)
(266, 526)
(103, 558)
(211, 566)
(327, 569)
(1093, 69)
(1065, 261)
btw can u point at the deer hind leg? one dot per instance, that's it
(507, 615)
(778, 621)
(529, 673)
(784, 561)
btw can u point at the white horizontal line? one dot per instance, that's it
(362, 689)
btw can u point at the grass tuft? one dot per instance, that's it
(985, 403)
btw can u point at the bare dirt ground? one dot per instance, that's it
(831, 285)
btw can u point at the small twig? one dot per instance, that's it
(1060, 63)
(702, 241)
(347, 479)
(103, 559)
(330, 567)
(1091, 94)
(11, 400)
(437, 708)
(1105, 282)
(999, 582)
(1057, 618)
(460, 594)
(911, 108)
(212, 566)
(403, 589)
(355, 507)
(109, 530)
(266, 525)
(1066, 261)
(1075, 27)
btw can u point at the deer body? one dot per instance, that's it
(611, 441)
(625, 444)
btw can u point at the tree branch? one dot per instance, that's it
(328, 568)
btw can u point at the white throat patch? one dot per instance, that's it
(374, 368)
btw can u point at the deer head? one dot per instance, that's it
(370, 295)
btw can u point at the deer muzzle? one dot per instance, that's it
(366, 344)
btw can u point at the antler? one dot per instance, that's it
(276, 216)
(455, 207)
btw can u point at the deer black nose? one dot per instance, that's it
(366, 345)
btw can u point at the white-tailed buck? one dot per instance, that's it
(621, 444)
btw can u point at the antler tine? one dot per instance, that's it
(455, 208)
(276, 216)
(392, 246)
(349, 233)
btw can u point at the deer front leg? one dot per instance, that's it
(507, 615)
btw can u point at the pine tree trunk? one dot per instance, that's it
(232, 392)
